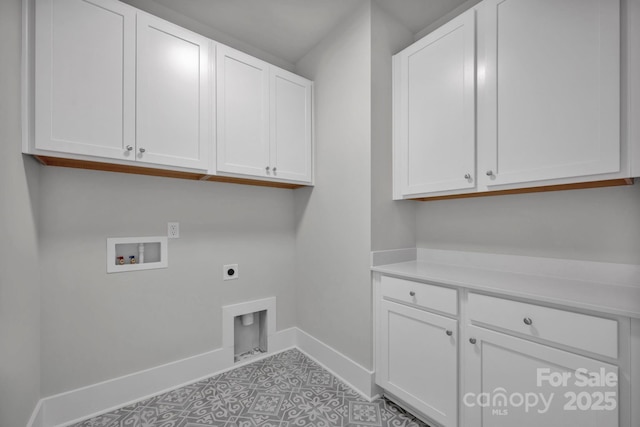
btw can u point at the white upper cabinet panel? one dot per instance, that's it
(549, 90)
(435, 110)
(264, 119)
(243, 113)
(114, 84)
(173, 95)
(290, 126)
(85, 77)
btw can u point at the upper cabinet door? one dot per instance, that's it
(173, 95)
(291, 131)
(243, 113)
(85, 77)
(549, 89)
(435, 110)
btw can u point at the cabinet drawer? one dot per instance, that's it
(581, 331)
(420, 294)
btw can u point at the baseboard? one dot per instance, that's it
(79, 404)
(355, 375)
(37, 417)
(635, 370)
(76, 405)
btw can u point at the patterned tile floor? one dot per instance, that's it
(284, 390)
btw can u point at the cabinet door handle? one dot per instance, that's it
(142, 150)
(467, 176)
(267, 169)
(489, 173)
(274, 170)
(413, 294)
(528, 321)
(129, 148)
(472, 340)
(449, 333)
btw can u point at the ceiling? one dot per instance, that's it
(288, 29)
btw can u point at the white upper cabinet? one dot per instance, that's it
(173, 95)
(115, 85)
(264, 119)
(547, 74)
(243, 113)
(435, 111)
(85, 77)
(549, 95)
(291, 132)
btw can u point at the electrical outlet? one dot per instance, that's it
(173, 230)
(230, 272)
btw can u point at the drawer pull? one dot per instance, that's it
(472, 340)
(449, 333)
(413, 294)
(528, 321)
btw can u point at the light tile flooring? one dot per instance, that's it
(284, 390)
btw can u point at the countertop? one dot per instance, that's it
(604, 288)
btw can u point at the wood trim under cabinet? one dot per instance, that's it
(559, 187)
(137, 170)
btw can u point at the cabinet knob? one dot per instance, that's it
(528, 321)
(413, 294)
(472, 340)
(467, 176)
(129, 148)
(142, 150)
(274, 170)
(267, 169)
(489, 173)
(449, 333)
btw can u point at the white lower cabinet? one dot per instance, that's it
(418, 360)
(515, 382)
(497, 362)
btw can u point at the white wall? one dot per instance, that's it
(392, 222)
(19, 276)
(333, 220)
(97, 326)
(596, 224)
